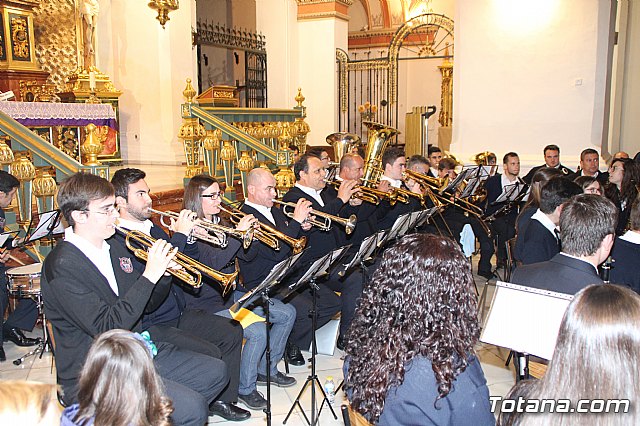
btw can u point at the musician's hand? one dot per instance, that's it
(199, 231)
(302, 211)
(347, 189)
(4, 256)
(414, 186)
(307, 225)
(355, 202)
(247, 222)
(160, 256)
(384, 186)
(185, 222)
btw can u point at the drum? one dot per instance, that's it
(24, 280)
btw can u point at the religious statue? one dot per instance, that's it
(89, 10)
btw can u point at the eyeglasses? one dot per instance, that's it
(213, 196)
(108, 211)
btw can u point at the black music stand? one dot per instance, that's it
(319, 268)
(399, 228)
(278, 272)
(48, 225)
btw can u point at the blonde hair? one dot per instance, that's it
(29, 403)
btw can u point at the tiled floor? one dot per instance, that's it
(499, 378)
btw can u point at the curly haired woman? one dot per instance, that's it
(410, 358)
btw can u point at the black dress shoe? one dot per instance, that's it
(486, 274)
(3, 357)
(254, 400)
(16, 336)
(228, 411)
(293, 355)
(281, 380)
(340, 344)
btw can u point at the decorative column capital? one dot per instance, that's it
(321, 9)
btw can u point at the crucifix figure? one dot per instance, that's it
(89, 10)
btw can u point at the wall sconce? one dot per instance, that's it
(163, 7)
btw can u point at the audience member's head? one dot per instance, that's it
(26, 403)
(119, 384)
(423, 287)
(587, 226)
(589, 185)
(539, 178)
(594, 359)
(555, 193)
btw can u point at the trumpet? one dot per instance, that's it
(217, 234)
(349, 224)
(371, 195)
(191, 270)
(268, 234)
(437, 186)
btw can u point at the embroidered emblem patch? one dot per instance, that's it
(126, 265)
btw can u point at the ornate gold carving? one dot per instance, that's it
(55, 39)
(44, 184)
(92, 146)
(24, 170)
(163, 7)
(20, 37)
(6, 154)
(446, 98)
(189, 92)
(32, 91)
(191, 132)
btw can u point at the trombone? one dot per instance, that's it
(216, 233)
(191, 270)
(267, 234)
(371, 195)
(349, 224)
(437, 186)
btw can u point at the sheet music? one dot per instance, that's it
(5, 236)
(510, 192)
(525, 319)
(320, 266)
(49, 224)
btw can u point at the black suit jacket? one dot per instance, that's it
(365, 225)
(624, 269)
(527, 179)
(387, 214)
(602, 177)
(80, 304)
(562, 274)
(319, 242)
(493, 185)
(538, 244)
(257, 261)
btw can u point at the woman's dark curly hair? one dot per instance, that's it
(420, 302)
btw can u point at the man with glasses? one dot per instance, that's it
(90, 286)
(172, 321)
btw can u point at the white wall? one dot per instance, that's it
(527, 74)
(149, 65)
(630, 125)
(277, 20)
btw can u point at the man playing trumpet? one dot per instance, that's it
(172, 321)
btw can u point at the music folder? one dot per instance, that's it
(525, 319)
(49, 223)
(278, 272)
(367, 247)
(320, 267)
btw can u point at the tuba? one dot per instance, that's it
(379, 137)
(342, 144)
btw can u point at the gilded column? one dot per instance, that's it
(44, 188)
(191, 132)
(446, 103)
(6, 154)
(301, 126)
(24, 170)
(228, 156)
(285, 177)
(211, 148)
(245, 165)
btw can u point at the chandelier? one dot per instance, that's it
(163, 7)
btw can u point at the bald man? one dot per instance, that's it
(259, 259)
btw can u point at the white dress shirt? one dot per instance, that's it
(263, 210)
(545, 221)
(313, 193)
(98, 256)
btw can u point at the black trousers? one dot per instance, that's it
(328, 304)
(350, 288)
(192, 381)
(504, 228)
(23, 317)
(207, 334)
